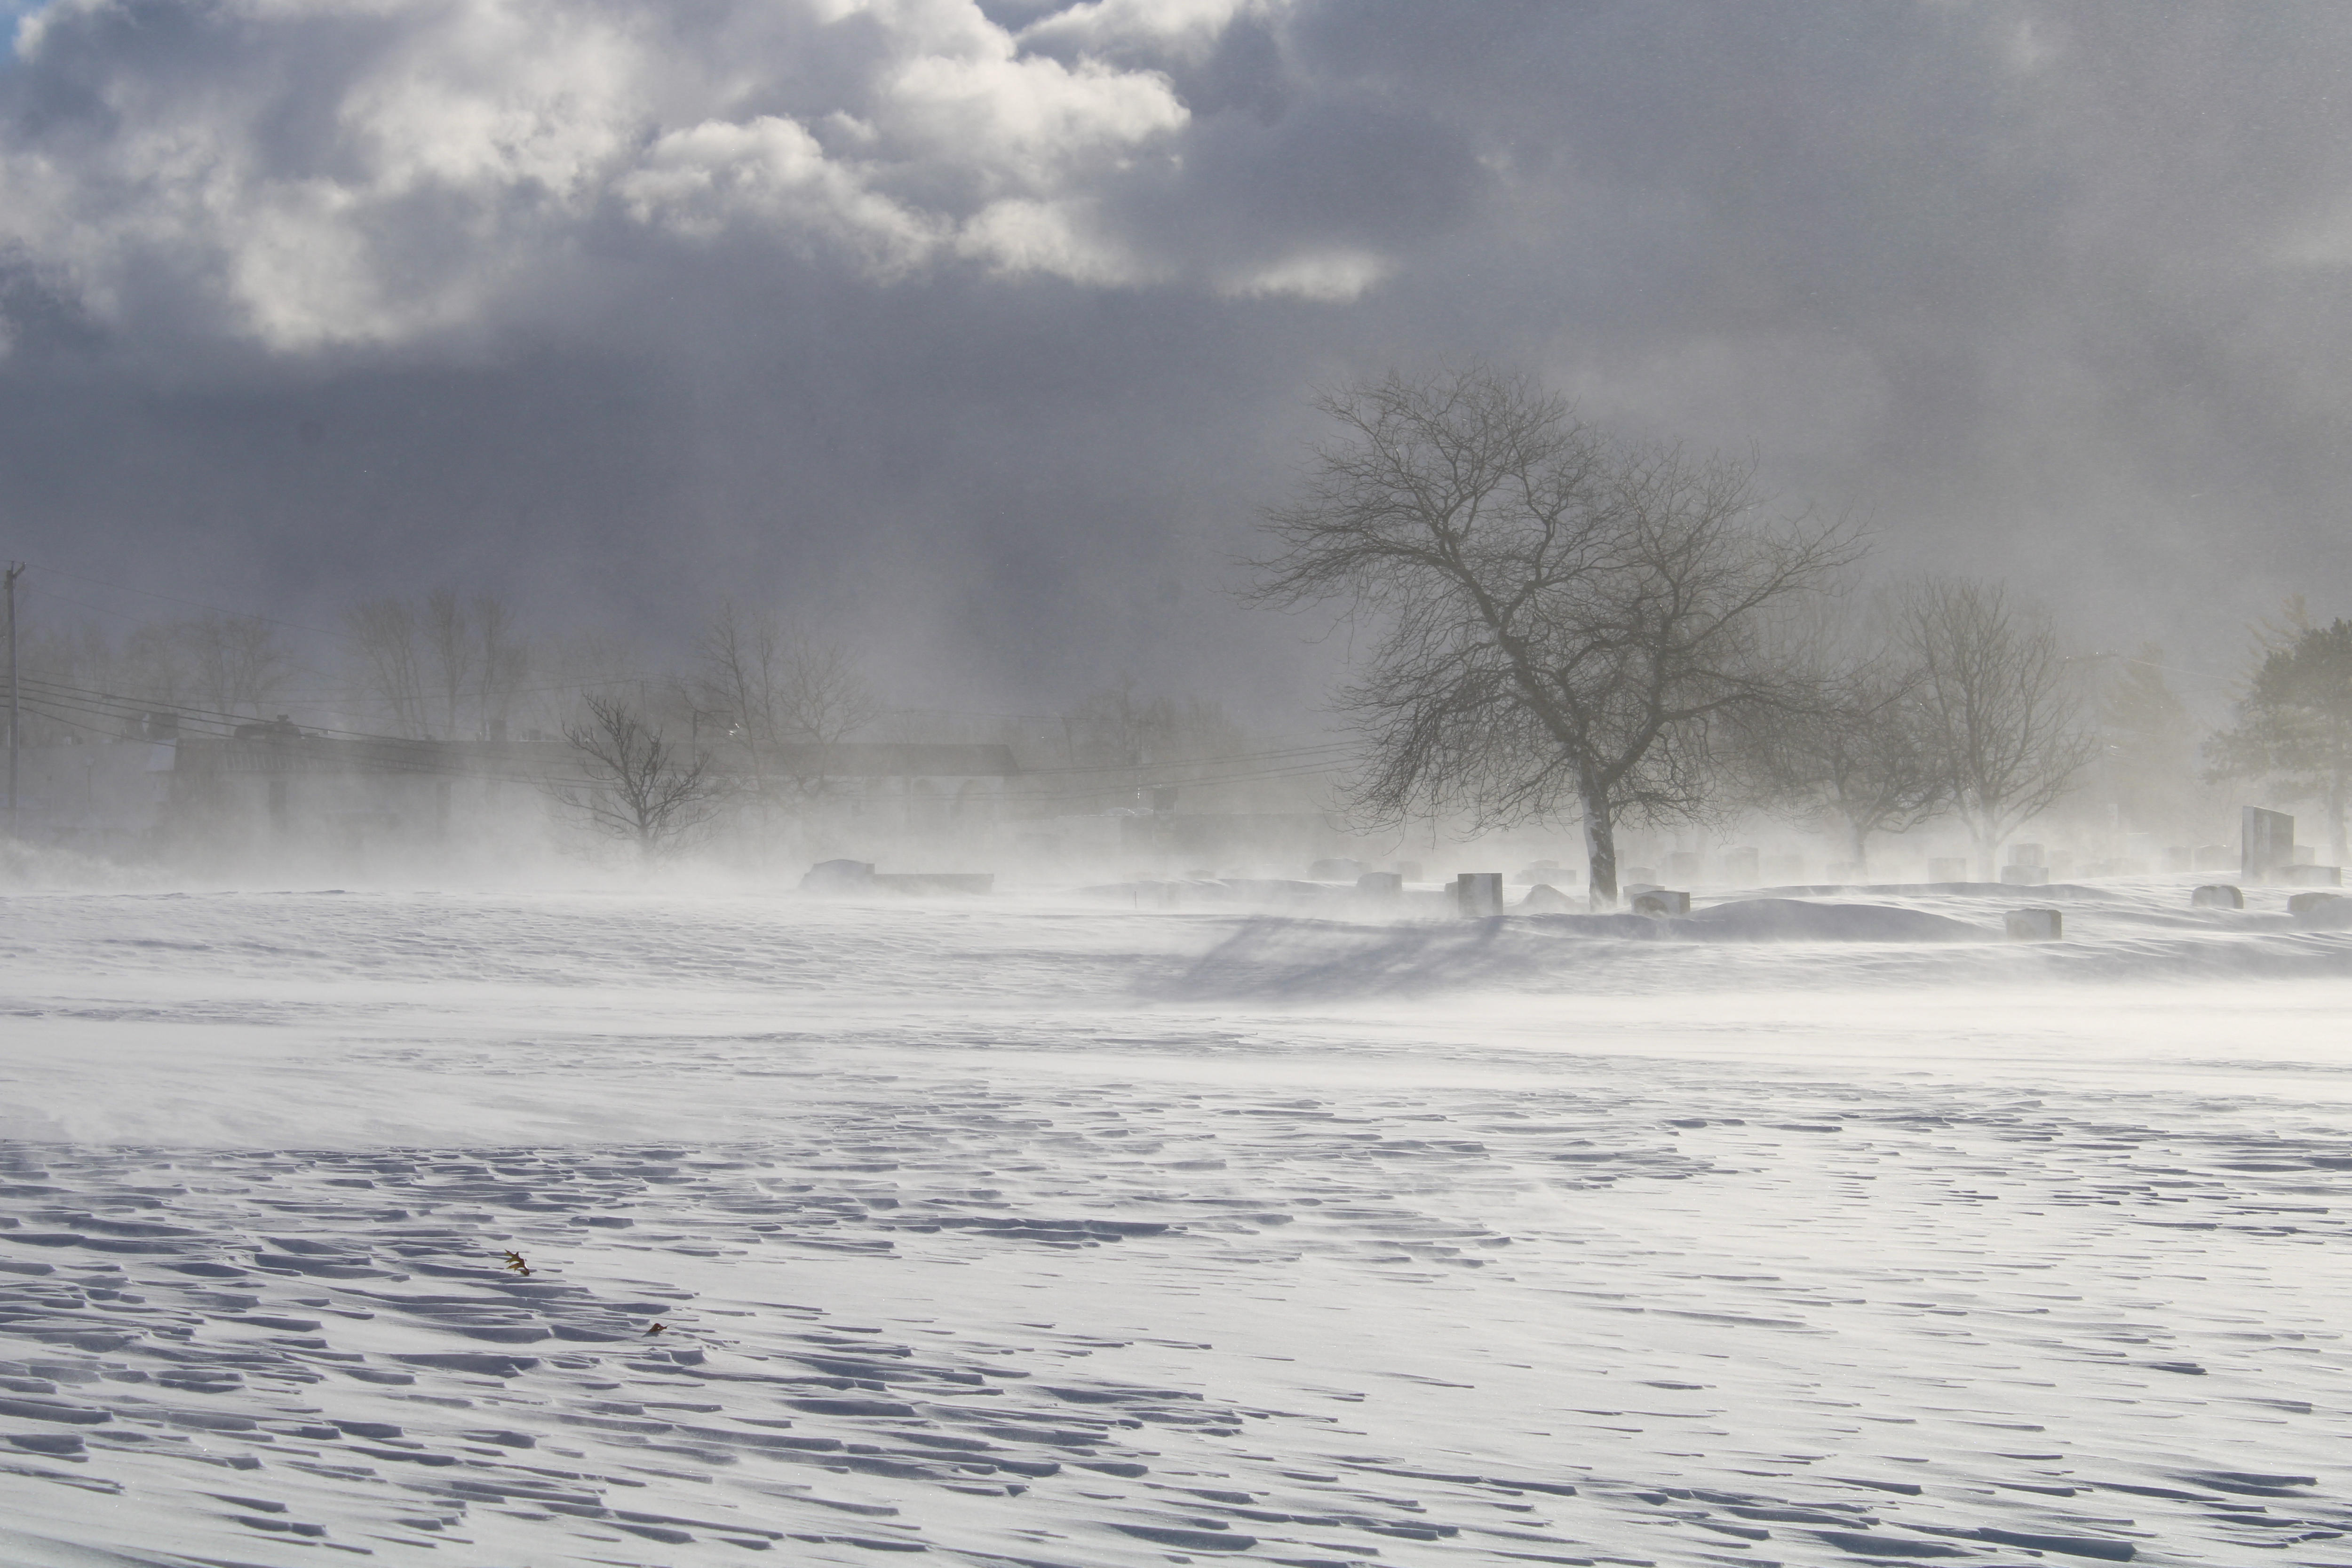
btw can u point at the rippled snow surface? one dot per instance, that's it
(1048, 1234)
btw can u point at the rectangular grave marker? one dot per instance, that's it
(2265, 843)
(1479, 893)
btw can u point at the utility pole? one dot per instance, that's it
(16, 570)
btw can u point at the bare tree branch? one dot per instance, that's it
(1565, 621)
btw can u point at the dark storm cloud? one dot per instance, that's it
(988, 330)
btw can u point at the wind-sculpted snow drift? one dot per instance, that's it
(1807, 1230)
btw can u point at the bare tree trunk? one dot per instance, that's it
(1600, 850)
(1861, 832)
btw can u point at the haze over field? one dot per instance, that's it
(1078, 786)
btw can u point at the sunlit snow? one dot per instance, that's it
(1048, 1232)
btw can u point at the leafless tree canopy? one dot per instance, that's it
(440, 669)
(1117, 726)
(639, 788)
(783, 696)
(1860, 756)
(2006, 722)
(217, 666)
(388, 666)
(1560, 620)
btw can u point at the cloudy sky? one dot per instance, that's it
(983, 330)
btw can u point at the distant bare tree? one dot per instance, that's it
(388, 664)
(1563, 622)
(505, 661)
(739, 675)
(826, 699)
(2004, 719)
(1859, 753)
(2148, 744)
(234, 664)
(639, 788)
(788, 697)
(450, 645)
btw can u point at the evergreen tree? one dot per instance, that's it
(2295, 725)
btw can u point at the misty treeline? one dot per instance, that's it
(1566, 626)
(745, 726)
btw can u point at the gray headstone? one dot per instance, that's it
(1543, 898)
(2217, 896)
(2027, 855)
(838, 876)
(2036, 925)
(2318, 904)
(1381, 884)
(1659, 902)
(1479, 893)
(2312, 875)
(2265, 843)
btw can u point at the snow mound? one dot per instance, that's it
(1799, 920)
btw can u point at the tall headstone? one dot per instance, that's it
(2265, 843)
(1479, 893)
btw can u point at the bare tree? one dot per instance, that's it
(2002, 713)
(1561, 621)
(389, 669)
(788, 697)
(234, 664)
(826, 699)
(449, 643)
(639, 788)
(739, 676)
(505, 661)
(2148, 744)
(1860, 752)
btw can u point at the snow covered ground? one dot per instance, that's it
(1038, 1232)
